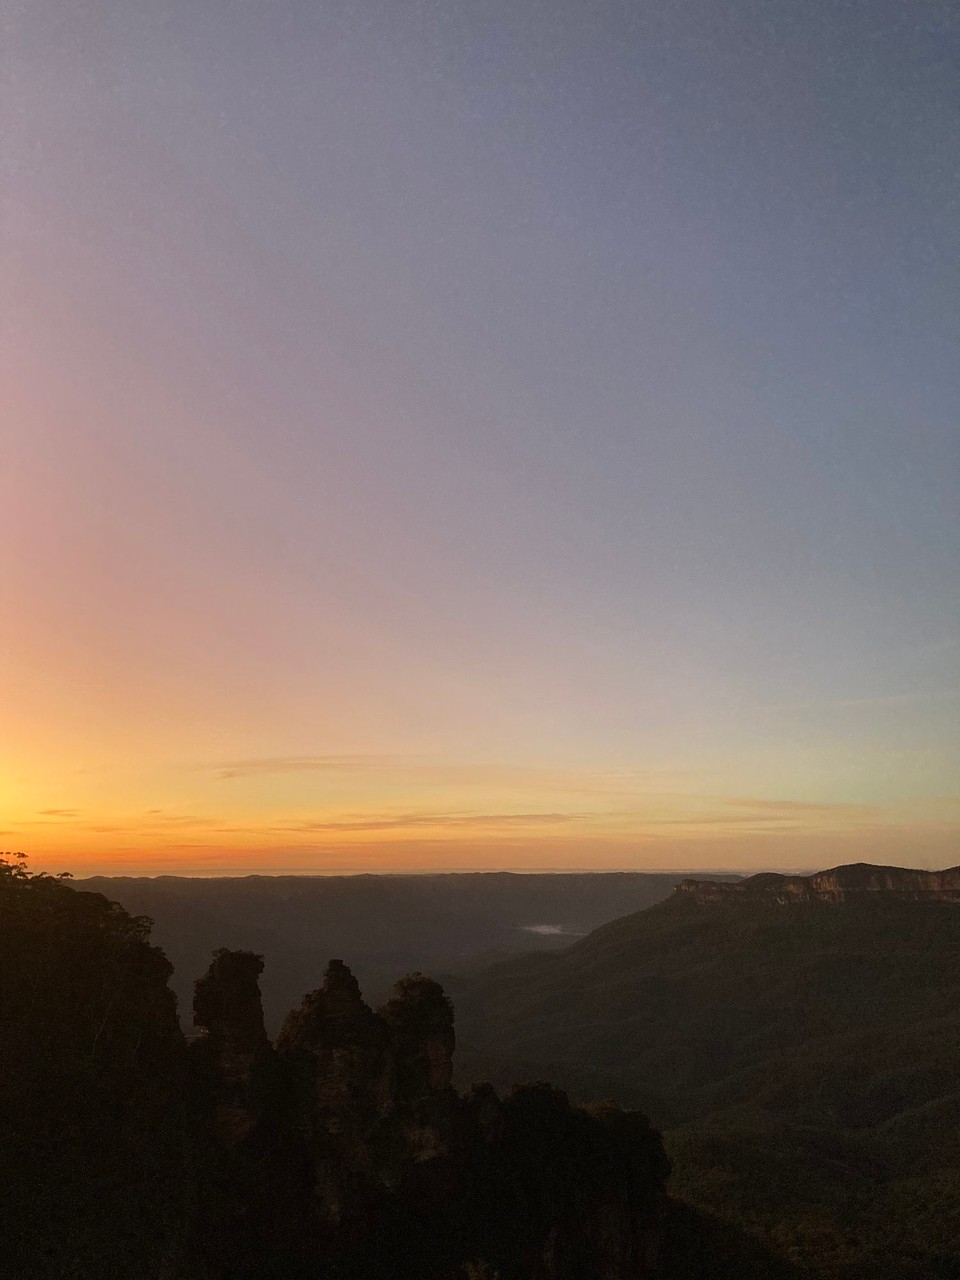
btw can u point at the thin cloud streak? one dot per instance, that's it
(420, 820)
(301, 764)
(704, 811)
(796, 806)
(427, 772)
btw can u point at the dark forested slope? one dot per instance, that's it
(92, 1136)
(803, 1048)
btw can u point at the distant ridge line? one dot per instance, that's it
(858, 880)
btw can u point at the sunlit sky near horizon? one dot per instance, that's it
(480, 434)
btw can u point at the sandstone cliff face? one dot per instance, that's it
(385, 1170)
(854, 882)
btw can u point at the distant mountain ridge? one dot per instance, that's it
(836, 885)
(386, 924)
(797, 1039)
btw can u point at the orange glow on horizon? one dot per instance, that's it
(562, 821)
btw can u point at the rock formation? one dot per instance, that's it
(372, 1089)
(858, 881)
(338, 1048)
(231, 1041)
(385, 1169)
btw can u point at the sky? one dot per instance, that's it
(478, 434)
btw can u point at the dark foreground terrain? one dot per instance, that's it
(341, 1150)
(798, 1041)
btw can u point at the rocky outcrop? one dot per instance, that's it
(856, 882)
(231, 1042)
(372, 1089)
(385, 1170)
(420, 1020)
(338, 1047)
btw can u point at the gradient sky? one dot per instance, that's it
(477, 434)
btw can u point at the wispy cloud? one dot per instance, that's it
(424, 771)
(152, 821)
(788, 807)
(266, 765)
(59, 813)
(163, 818)
(393, 822)
(759, 814)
